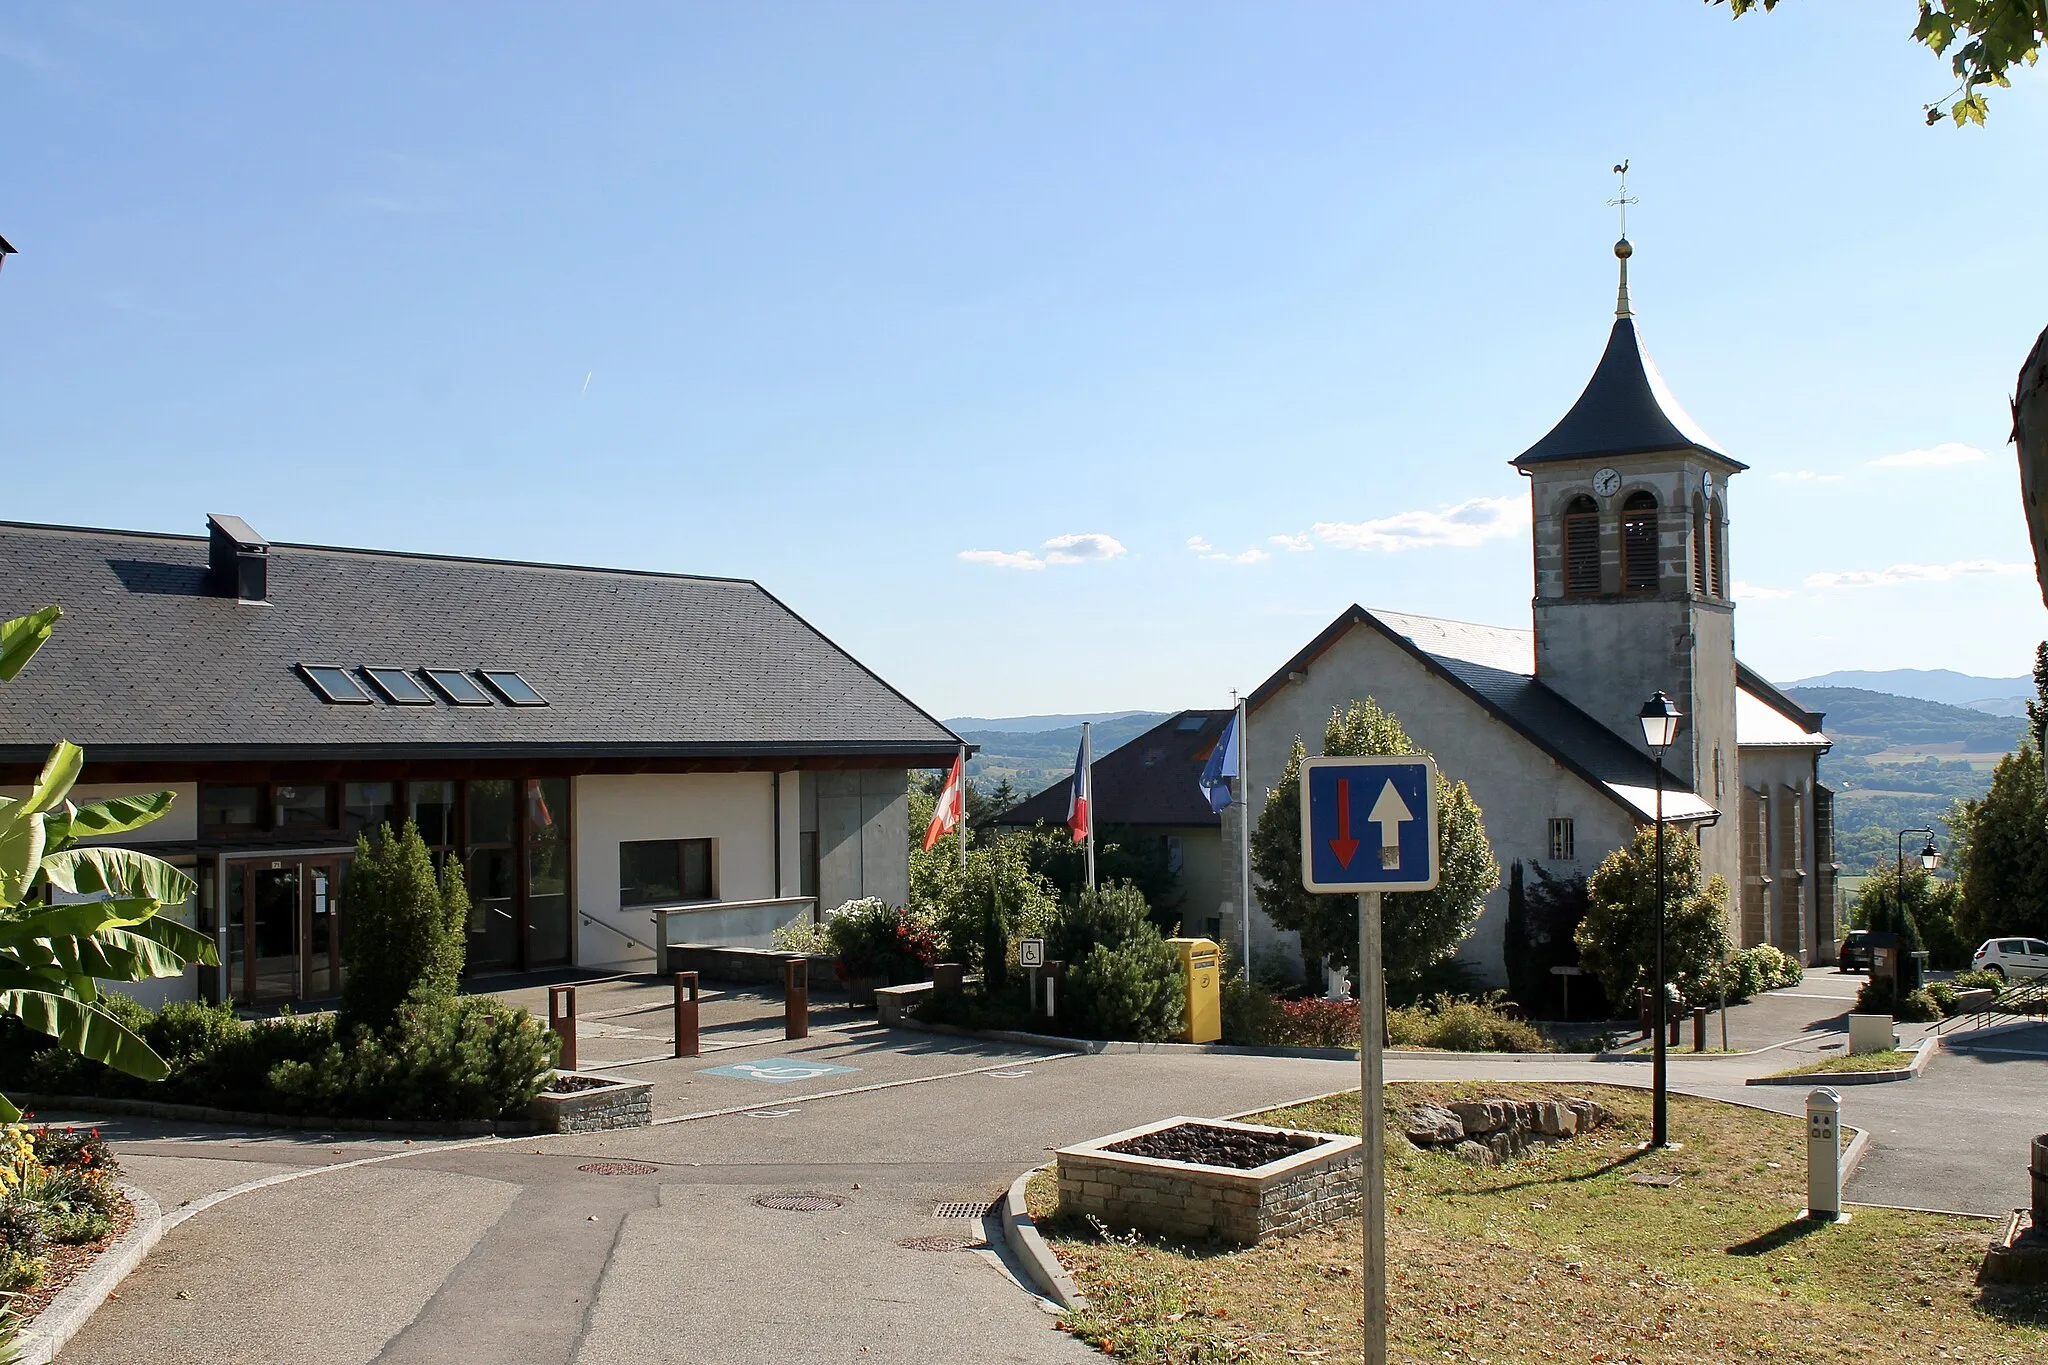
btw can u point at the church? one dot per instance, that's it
(1629, 506)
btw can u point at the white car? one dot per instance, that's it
(2013, 957)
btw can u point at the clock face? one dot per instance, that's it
(1606, 482)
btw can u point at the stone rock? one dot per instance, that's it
(1472, 1154)
(1430, 1125)
(1481, 1116)
(1554, 1120)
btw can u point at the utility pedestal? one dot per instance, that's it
(1824, 1156)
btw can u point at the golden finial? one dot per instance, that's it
(1622, 250)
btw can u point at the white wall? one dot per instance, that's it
(732, 809)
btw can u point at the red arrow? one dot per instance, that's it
(1344, 846)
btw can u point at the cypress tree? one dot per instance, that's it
(406, 927)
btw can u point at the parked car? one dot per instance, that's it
(2012, 957)
(1855, 953)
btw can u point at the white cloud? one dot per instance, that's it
(1750, 592)
(1806, 476)
(1205, 550)
(1468, 523)
(1941, 456)
(1893, 575)
(1294, 544)
(1079, 547)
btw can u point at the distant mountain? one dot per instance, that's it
(1998, 696)
(1034, 759)
(1024, 725)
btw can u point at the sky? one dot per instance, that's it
(1061, 357)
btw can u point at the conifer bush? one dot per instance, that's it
(407, 926)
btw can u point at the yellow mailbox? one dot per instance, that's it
(1201, 965)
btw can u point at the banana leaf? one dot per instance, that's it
(96, 819)
(22, 637)
(118, 871)
(90, 1032)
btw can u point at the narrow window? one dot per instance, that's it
(1701, 529)
(1581, 547)
(1717, 523)
(1561, 840)
(1639, 543)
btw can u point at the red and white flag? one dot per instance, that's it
(1082, 792)
(946, 815)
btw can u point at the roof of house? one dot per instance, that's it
(1768, 719)
(1150, 780)
(153, 662)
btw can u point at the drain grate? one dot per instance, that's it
(942, 1243)
(962, 1209)
(801, 1203)
(619, 1168)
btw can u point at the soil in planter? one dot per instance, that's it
(1205, 1145)
(569, 1085)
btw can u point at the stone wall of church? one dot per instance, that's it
(1520, 790)
(1779, 881)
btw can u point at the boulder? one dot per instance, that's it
(1432, 1125)
(1472, 1154)
(1482, 1116)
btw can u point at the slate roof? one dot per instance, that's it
(1626, 409)
(150, 663)
(1152, 779)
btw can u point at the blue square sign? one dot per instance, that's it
(1368, 824)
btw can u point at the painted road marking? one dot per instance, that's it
(779, 1070)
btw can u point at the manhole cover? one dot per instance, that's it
(962, 1209)
(941, 1243)
(619, 1168)
(800, 1203)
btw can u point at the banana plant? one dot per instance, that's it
(53, 957)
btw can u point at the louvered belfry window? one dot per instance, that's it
(1581, 547)
(1717, 532)
(1702, 533)
(1639, 543)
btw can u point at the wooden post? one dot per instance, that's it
(796, 997)
(686, 1015)
(1699, 1028)
(562, 1019)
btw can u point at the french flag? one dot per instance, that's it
(1082, 791)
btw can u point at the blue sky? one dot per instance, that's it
(1050, 357)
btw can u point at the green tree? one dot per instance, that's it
(999, 898)
(1422, 928)
(53, 957)
(1929, 905)
(1123, 979)
(2005, 876)
(1617, 939)
(408, 926)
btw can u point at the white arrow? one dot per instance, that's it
(1389, 812)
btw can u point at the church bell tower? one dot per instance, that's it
(1630, 505)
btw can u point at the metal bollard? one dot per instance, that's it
(948, 978)
(1055, 977)
(686, 1015)
(1699, 1028)
(1643, 1011)
(1824, 1155)
(796, 997)
(562, 1019)
(1675, 1020)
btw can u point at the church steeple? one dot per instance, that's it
(1622, 251)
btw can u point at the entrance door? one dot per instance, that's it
(321, 964)
(284, 920)
(272, 970)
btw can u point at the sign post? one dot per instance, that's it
(1398, 795)
(1031, 957)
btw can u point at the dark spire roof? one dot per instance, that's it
(1626, 408)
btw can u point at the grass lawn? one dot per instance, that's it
(1558, 1257)
(1892, 1059)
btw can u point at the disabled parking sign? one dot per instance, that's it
(778, 1070)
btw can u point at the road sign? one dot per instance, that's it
(1368, 824)
(778, 1070)
(1031, 952)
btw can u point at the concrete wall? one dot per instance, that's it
(1788, 857)
(1519, 789)
(1205, 870)
(862, 820)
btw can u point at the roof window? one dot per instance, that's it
(514, 689)
(458, 687)
(334, 684)
(1192, 723)
(399, 687)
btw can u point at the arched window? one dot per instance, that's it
(1702, 533)
(1639, 543)
(1717, 526)
(1581, 547)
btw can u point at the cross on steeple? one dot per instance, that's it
(1622, 200)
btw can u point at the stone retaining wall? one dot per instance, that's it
(616, 1104)
(1488, 1132)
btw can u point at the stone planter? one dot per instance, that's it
(611, 1103)
(1313, 1185)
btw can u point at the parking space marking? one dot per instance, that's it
(778, 1070)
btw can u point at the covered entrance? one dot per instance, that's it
(282, 926)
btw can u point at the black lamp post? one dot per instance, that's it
(1660, 727)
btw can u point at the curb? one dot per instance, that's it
(1095, 1047)
(1025, 1243)
(199, 1113)
(1923, 1053)
(52, 1328)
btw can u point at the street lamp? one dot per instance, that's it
(1660, 727)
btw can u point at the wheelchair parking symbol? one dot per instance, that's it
(778, 1070)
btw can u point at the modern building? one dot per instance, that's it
(593, 745)
(1150, 789)
(1629, 508)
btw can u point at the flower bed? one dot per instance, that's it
(59, 1208)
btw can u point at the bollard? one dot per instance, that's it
(2040, 1173)
(562, 1019)
(1699, 1028)
(948, 978)
(686, 1015)
(1824, 1156)
(1643, 1011)
(1055, 977)
(796, 998)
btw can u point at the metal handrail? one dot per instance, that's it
(592, 919)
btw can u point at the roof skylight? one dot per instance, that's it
(514, 689)
(399, 687)
(458, 687)
(334, 684)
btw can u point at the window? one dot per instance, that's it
(664, 871)
(334, 684)
(1581, 547)
(431, 806)
(365, 806)
(807, 863)
(1561, 841)
(1717, 524)
(489, 821)
(230, 809)
(547, 870)
(1701, 530)
(458, 687)
(302, 806)
(1190, 724)
(513, 688)
(399, 687)
(1639, 543)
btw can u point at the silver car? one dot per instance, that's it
(2013, 957)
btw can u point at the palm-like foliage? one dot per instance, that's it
(53, 957)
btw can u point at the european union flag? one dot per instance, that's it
(1221, 770)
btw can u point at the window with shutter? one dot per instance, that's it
(1639, 543)
(1717, 529)
(1581, 548)
(1700, 552)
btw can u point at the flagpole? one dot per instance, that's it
(962, 798)
(1089, 749)
(1244, 802)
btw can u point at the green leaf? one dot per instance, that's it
(75, 921)
(22, 637)
(119, 871)
(89, 1032)
(188, 943)
(115, 815)
(60, 770)
(8, 1113)
(21, 853)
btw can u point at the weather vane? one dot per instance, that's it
(1622, 201)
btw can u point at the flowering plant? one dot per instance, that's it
(1319, 1023)
(876, 939)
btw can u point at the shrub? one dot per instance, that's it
(1131, 990)
(72, 1148)
(1113, 913)
(802, 936)
(1462, 1024)
(874, 939)
(1319, 1023)
(77, 1205)
(1749, 972)
(1916, 1007)
(1943, 994)
(407, 926)
(1616, 938)
(1878, 996)
(1251, 1016)
(468, 1058)
(1975, 979)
